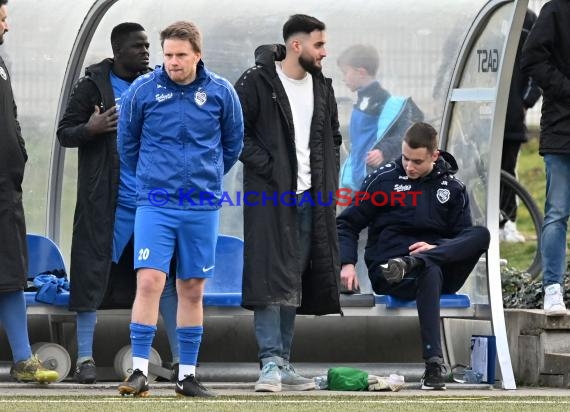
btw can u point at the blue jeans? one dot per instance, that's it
(275, 324)
(556, 212)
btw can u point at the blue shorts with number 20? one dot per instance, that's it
(191, 233)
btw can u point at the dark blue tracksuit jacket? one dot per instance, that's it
(427, 209)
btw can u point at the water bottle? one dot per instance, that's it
(472, 376)
(321, 382)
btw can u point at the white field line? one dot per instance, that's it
(294, 401)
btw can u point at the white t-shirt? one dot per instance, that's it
(301, 100)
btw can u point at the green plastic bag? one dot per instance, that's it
(347, 379)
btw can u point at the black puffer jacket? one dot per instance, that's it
(13, 156)
(546, 58)
(97, 188)
(271, 269)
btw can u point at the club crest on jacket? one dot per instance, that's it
(442, 195)
(200, 97)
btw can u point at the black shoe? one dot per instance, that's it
(86, 372)
(136, 385)
(191, 387)
(174, 372)
(395, 269)
(434, 376)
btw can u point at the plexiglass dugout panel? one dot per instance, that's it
(36, 51)
(418, 43)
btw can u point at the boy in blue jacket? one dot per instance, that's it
(378, 120)
(377, 125)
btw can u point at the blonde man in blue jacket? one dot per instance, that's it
(181, 130)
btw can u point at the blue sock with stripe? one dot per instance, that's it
(14, 318)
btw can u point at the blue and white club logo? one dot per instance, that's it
(200, 98)
(442, 195)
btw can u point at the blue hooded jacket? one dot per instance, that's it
(180, 139)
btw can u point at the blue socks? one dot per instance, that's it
(13, 317)
(168, 307)
(141, 339)
(189, 339)
(85, 329)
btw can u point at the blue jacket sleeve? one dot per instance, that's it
(130, 129)
(391, 144)
(232, 129)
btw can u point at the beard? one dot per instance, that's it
(309, 65)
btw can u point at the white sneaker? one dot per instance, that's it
(510, 233)
(553, 301)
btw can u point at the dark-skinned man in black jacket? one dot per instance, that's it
(102, 274)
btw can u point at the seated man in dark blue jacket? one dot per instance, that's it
(421, 241)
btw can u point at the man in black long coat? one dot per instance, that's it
(13, 252)
(291, 164)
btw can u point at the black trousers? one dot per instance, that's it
(13, 244)
(446, 269)
(507, 201)
(122, 284)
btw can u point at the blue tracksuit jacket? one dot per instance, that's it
(180, 139)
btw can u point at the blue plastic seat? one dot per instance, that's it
(44, 256)
(224, 288)
(456, 301)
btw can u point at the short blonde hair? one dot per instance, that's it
(183, 30)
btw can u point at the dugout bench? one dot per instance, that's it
(222, 297)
